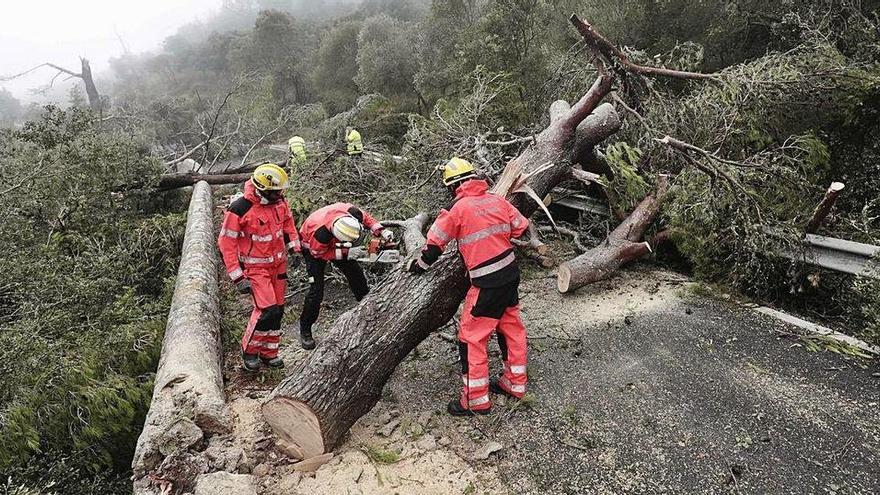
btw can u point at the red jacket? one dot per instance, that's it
(317, 231)
(483, 225)
(255, 234)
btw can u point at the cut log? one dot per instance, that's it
(314, 406)
(824, 207)
(622, 246)
(188, 385)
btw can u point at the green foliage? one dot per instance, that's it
(86, 284)
(386, 59)
(627, 184)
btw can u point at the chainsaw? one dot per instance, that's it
(378, 251)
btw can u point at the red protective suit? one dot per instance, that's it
(483, 225)
(254, 241)
(316, 230)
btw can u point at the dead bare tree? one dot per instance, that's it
(85, 74)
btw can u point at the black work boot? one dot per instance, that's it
(305, 337)
(275, 362)
(454, 408)
(495, 388)
(251, 361)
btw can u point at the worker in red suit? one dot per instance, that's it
(332, 234)
(482, 224)
(257, 235)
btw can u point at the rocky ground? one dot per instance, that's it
(637, 385)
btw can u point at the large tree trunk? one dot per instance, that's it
(622, 246)
(188, 392)
(314, 406)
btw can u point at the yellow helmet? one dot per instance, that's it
(270, 177)
(457, 170)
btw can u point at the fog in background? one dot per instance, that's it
(33, 32)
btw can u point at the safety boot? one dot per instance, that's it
(251, 361)
(455, 408)
(496, 388)
(275, 362)
(305, 337)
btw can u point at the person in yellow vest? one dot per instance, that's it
(298, 156)
(354, 141)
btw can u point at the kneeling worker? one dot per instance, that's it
(331, 234)
(257, 235)
(483, 225)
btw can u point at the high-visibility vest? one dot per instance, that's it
(355, 144)
(297, 147)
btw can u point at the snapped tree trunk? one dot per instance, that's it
(622, 246)
(91, 90)
(315, 405)
(824, 207)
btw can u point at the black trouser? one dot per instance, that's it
(315, 267)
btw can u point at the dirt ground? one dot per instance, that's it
(637, 385)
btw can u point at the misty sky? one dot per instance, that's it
(59, 31)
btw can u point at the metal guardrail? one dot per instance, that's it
(842, 256)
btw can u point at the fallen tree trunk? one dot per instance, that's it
(188, 391)
(622, 246)
(313, 407)
(176, 181)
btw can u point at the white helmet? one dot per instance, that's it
(347, 228)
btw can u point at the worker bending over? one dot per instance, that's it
(483, 225)
(257, 235)
(298, 157)
(334, 233)
(354, 143)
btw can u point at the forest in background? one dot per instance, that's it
(92, 247)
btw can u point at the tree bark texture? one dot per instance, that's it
(188, 384)
(622, 246)
(316, 404)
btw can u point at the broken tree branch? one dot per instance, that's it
(824, 207)
(622, 245)
(612, 54)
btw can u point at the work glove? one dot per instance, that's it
(357, 252)
(387, 235)
(243, 286)
(413, 267)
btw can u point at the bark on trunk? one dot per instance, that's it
(622, 246)
(824, 207)
(314, 406)
(188, 385)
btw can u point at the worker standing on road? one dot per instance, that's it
(257, 235)
(355, 145)
(298, 156)
(333, 234)
(483, 225)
